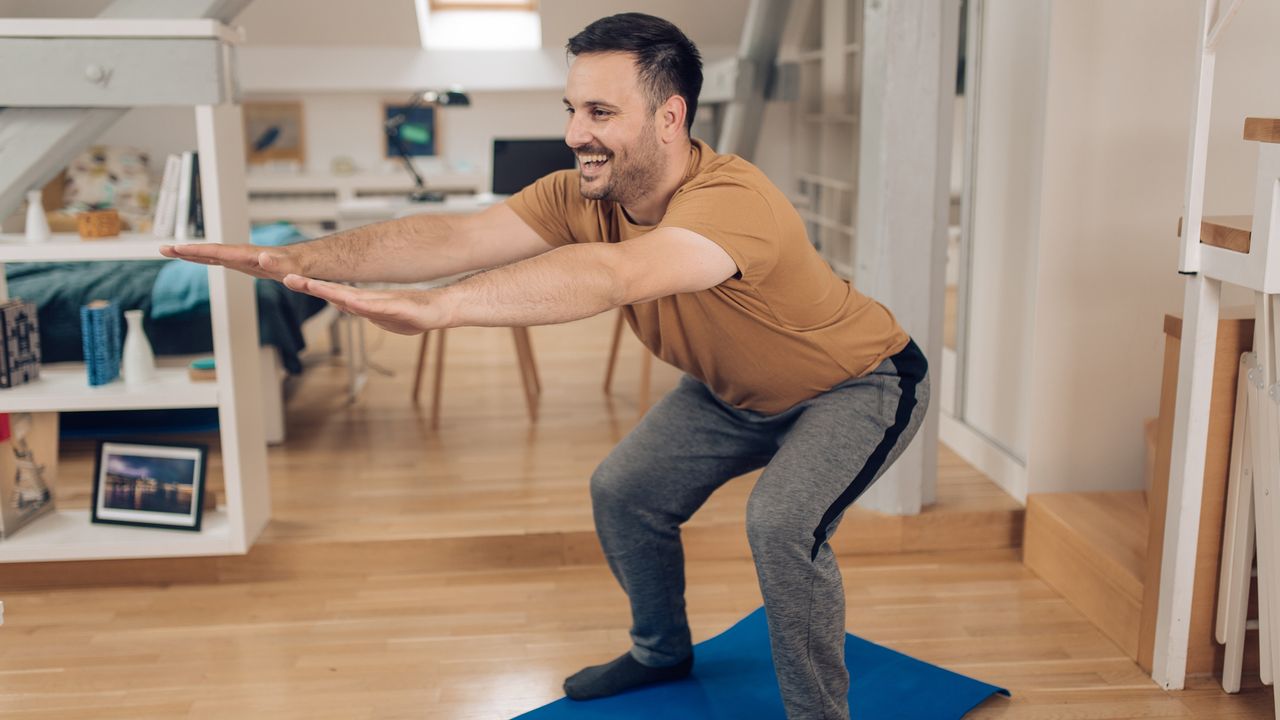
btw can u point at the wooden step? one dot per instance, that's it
(1091, 548)
(1229, 232)
(1265, 130)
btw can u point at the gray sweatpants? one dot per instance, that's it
(819, 456)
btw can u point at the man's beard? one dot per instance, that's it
(634, 177)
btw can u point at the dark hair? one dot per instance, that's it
(668, 61)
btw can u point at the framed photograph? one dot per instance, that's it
(419, 131)
(149, 485)
(28, 468)
(273, 132)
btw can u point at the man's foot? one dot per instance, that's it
(620, 675)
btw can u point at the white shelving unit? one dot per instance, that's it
(116, 45)
(68, 247)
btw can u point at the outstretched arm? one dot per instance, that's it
(408, 249)
(568, 283)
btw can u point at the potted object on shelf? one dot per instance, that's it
(37, 223)
(138, 363)
(98, 223)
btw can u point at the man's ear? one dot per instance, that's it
(671, 118)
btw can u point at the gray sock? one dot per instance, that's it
(620, 675)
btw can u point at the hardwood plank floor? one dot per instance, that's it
(453, 575)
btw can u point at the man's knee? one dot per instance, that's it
(772, 526)
(613, 485)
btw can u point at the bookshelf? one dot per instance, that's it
(68, 247)
(67, 535)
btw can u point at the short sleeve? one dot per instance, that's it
(735, 217)
(546, 206)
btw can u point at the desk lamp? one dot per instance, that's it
(397, 131)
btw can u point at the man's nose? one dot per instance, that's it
(575, 135)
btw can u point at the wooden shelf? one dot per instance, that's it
(1229, 232)
(65, 387)
(69, 535)
(69, 247)
(1265, 130)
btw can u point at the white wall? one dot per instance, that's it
(349, 124)
(1118, 112)
(1007, 153)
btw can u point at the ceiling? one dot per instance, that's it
(394, 23)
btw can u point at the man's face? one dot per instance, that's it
(611, 128)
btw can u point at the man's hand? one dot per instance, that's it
(269, 263)
(407, 312)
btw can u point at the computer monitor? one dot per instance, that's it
(517, 163)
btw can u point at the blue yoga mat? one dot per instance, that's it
(733, 679)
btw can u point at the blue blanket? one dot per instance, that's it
(733, 679)
(60, 289)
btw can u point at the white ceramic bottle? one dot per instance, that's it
(37, 225)
(138, 362)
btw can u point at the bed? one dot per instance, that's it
(60, 289)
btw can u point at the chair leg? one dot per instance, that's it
(613, 353)
(528, 371)
(422, 365)
(1238, 539)
(646, 374)
(529, 361)
(438, 390)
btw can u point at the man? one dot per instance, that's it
(788, 368)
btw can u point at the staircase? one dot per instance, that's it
(1102, 550)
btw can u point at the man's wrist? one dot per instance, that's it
(442, 307)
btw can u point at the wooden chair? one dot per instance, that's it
(646, 366)
(524, 354)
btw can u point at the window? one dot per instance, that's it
(527, 5)
(479, 24)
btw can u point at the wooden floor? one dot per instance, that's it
(453, 574)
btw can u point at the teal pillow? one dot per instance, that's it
(182, 286)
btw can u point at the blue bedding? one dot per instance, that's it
(60, 289)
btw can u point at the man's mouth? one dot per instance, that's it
(592, 162)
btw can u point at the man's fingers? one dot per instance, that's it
(333, 292)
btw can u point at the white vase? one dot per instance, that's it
(138, 363)
(37, 225)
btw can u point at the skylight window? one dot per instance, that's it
(479, 24)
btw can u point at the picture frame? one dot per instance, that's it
(274, 132)
(28, 468)
(420, 130)
(148, 484)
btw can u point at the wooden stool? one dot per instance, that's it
(528, 373)
(646, 366)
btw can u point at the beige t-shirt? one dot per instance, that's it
(783, 329)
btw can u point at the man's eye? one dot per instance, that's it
(601, 113)
(569, 110)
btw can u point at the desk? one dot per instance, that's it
(362, 211)
(355, 213)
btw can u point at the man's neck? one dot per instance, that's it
(649, 209)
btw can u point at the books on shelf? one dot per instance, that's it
(28, 468)
(166, 205)
(100, 334)
(179, 212)
(19, 343)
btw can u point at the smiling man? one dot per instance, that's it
(787, 367)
